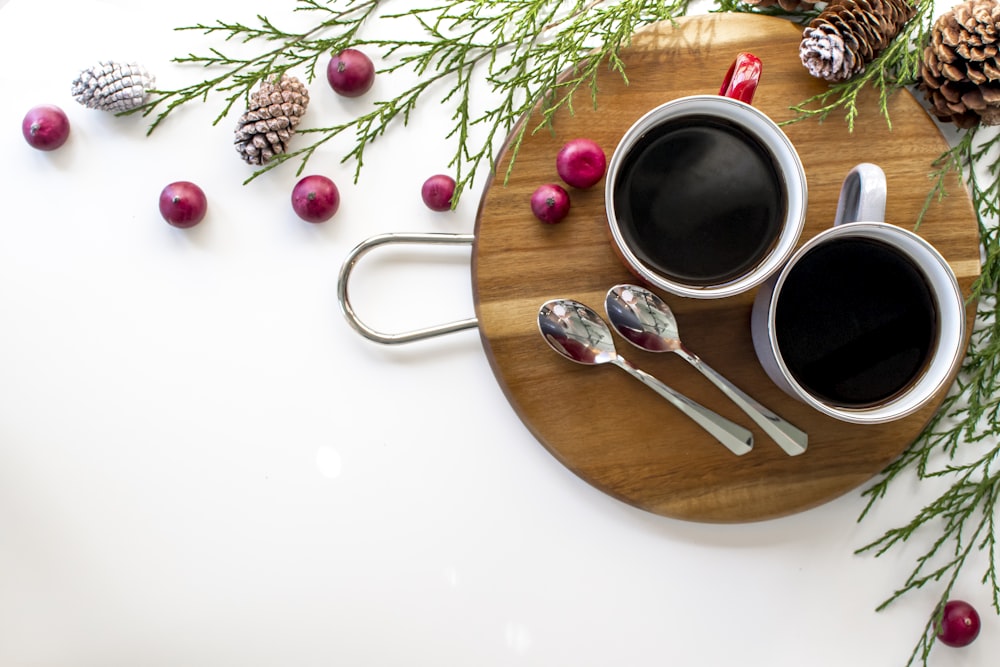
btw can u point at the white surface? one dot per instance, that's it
(201, 464)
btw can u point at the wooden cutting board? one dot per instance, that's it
(603, 425)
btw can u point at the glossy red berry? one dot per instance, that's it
(437, 192)
(581, 163)
(959, 624)
(183, 204)
(45, 127)
(350, 73)
(550, 203)
(315, 198)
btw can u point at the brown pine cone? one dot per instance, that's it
(960, 72)
(839, 43)
(274, 111)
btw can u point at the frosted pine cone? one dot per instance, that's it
(839, 43)
(268, 125)
(112, 86)
(960, 72)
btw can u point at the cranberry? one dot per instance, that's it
(350, 73)
(45, 127)
(437, 192)
(183, 204)
(959, 624)
(581, 163)
(315, 198)
(550, 203)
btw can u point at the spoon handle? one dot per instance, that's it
(788, 437)
(736, 438)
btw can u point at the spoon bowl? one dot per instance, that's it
(579, 334)
(576, 332)
(646, 321)
(643, 319)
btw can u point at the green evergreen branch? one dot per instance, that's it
(535, 55)
(239, 75)
(961, 443)
(897, 66)
(800, 15)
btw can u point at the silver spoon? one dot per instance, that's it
(643, 319)
(579, 334)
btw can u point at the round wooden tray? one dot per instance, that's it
(604, 426)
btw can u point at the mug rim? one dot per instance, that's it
(770, 135)
(942, 362)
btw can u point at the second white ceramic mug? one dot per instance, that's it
(860, 216)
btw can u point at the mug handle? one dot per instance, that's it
(742, 78)
(862, 196)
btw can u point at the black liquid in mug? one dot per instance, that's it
(855, 321)
(699, 200)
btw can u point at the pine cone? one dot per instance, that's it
(847, 35)
(960, 73)
(269, 123)
(112, 86)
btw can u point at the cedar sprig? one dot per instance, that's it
(961, 443)
(897, 66)
(801, 15)
(239, 76)
(533, 55)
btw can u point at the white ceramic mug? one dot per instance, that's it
(714, 187)
(860, 216)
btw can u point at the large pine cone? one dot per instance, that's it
(268, 125)
(111, 86)
(960, 73)
(839, 43)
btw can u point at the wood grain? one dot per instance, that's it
(603, 425)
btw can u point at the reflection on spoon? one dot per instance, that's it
(643, 319)
(579, 334)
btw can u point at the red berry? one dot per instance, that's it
(959, 624)
(315, 198)
(350, 73)
(183, 204)
(550, 203)
(581, 163)
(437, 192)
(45, 127)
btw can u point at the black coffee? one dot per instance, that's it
(855, 322)
(700, 200)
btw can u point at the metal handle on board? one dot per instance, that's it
(391, 239)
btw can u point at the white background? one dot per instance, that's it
(201, 464)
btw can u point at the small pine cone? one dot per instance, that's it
(960, 72)
(112, 86)
(270, 121)
(847, 35)
(787, 5)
